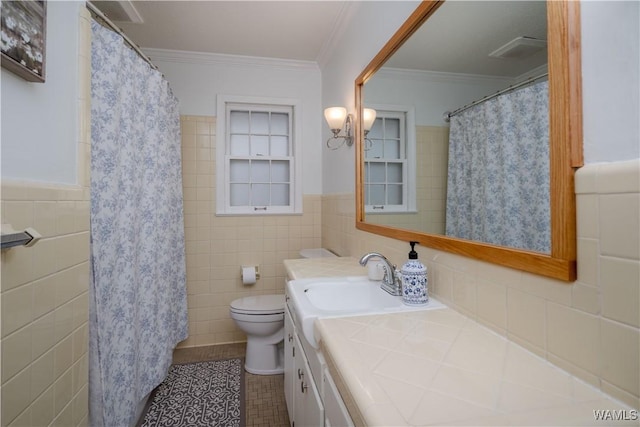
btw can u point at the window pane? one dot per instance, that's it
(280, 171)
(392, 149)
(375, 149)
(260, 123)
(260, 195)
(394, 172)
(258, 153)
(280, 195)
(259, 145)
(392, 128)
(239, 194)
(377, 172)
(279, 146)
(376, 195)
(394, 194)
(376, 129)
(239, 171)
(260, 171)
(279, 124)
(239, 145)
(239, 122)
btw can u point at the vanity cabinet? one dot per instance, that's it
(289, 362)
(301, 392)
(308, 408)
(311, 395)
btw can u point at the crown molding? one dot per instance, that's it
(439, 76)
(340, 25)
(205, 58)
(532, 73)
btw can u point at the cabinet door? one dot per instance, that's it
(289, 363)
(335, 412)
(309, 411)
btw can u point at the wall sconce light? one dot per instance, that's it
(337, 117)
(368, 119)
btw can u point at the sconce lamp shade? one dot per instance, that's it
(335, 117)
(368, 117)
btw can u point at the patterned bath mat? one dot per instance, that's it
(199, 394)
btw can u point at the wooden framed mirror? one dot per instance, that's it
(565, 148)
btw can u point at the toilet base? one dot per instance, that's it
(264, 372)
(264, 359)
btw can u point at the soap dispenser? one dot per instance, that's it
(414, 280)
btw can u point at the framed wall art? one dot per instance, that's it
(24, 38)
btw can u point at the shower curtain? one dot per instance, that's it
(138, 310)
(498, 176)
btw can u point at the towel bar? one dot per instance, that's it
(28, 238)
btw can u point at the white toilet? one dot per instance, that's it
(316, 253)
(261, 317)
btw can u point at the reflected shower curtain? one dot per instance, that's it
(138, 310)
(498, 176)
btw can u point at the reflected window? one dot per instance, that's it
(389, 165)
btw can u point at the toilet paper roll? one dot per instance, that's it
(248, 275)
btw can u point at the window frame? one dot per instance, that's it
(224, 157)
(408, 146)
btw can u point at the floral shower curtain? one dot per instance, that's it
(498, 176)
(138, 310)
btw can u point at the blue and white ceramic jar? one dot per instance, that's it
(414, 280)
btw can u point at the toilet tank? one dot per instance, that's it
(317, 253)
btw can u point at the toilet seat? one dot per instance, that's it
(258, 305)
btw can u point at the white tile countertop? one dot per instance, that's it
(440, 367)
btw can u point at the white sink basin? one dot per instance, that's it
(343, 296)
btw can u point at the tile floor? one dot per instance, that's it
(264, 396)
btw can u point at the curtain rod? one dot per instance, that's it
(97, 12)
(448, 114)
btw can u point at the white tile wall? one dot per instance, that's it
(591, 327)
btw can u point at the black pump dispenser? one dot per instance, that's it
(414, 280)
(413, 254)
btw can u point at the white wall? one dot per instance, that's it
(430, 94)
(610, 64)
(197, 79)
(372, 26)
(39, 120)
(610, 74)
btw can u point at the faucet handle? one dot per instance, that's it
(398, 277)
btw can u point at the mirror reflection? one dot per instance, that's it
(460, 143)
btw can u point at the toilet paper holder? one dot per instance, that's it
(256, 267)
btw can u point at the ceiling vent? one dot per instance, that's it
(519, 48)
(119, 11)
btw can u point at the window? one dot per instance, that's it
(257, 157)
(389, 164)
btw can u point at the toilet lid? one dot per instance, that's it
(259, 304)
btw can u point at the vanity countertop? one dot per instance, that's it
(440, 367)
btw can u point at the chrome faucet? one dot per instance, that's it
(390, 280)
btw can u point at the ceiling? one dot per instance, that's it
(460, 35)
(294, 30)
(457, 39)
